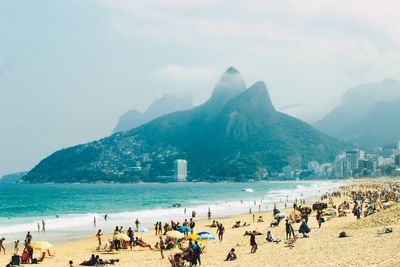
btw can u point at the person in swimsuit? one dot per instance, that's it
(159, 228)
(43, 226)
(162, 247)
(16, 244)
(2, 246)
(220, 232)
(28, 238)
(253, 242)
(98, 235)
(137, 223)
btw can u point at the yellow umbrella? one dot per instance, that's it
(175, 234)
(41, 245)
(192, 236)
(121, 237)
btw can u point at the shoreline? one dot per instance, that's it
(322, 248)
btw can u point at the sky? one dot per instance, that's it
(70, 68)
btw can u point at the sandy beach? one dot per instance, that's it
(365, 247)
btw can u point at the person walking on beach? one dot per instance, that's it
(253, 242)
(192, 224)
(289, 230)
(94, 221)
(43, 226)
(220, 231)
(38, 227)
(162, 247)
(106, 216)
(2, 246)
(98, 236)
(196, 253)
(137, 223)
(209, 214)
(319, 218)
(131, 237)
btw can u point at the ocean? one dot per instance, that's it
(22, 206)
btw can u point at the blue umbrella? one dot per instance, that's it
(206, 237)
(203, 233)
(141, 230)
(184, 229)
(280, 215)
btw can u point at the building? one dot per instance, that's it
(180, 170)
(397, 160)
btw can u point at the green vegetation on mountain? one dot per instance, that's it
(236, 135)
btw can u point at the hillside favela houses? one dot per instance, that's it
(380, 161)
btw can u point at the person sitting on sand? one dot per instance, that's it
(236, 225)
(260, 219)
(213, 224)
(143, 244)
(270, 238)
(231, 255)
(178, 260)
(71, 263)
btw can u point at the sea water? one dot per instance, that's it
(68, 209)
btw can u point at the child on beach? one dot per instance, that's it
(16, 249)
(231, 255)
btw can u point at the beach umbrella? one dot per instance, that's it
(206, 237)
(41, 245)
(141, 230)
(280, 215)
(184, 229)
(175, 234)
(121, 237)
(203, 233)
(192, 236)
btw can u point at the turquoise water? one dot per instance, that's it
(23, 205)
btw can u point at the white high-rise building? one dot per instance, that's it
(180, 170)
(398, 147)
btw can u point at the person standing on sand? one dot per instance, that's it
(28, 238)
(319, 218)
(38, 227)
(253, 242)
(156, 228)
(220, 231)
(289, 230)
(192, 224)
(98, 236)
(209, 214)
(254, 218)
(159, 228)
(16, 244)
(94, 221)
(137, 223)
(162, 247)
(43, 226)
(2, 246)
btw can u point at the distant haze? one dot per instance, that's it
(69, 69)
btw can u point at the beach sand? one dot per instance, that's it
(365, 247)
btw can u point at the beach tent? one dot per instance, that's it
(41, 245)
(121, 237)
(175, 234)
(141, 230)
(184, 229)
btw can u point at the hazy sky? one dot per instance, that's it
(69, 68)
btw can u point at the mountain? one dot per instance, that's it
(166, 104)
(364, 117)
(236, 135)
(12, 177)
